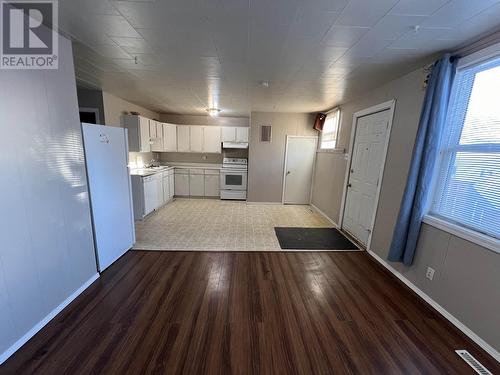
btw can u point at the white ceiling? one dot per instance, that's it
(194, 54)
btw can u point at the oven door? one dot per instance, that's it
(233, 180)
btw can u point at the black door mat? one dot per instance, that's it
(292, 238)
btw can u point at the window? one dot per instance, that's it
(468, 179)
(330, 131)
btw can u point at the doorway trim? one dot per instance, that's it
(389, 105)
(285, 164)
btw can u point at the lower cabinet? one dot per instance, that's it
(168, 186)
(181, 184)
(171, 181)
(212, 185)
(196, 185)
(150, 194)
(196, 182)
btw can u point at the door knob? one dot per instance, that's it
(288, 172)
(349, 185)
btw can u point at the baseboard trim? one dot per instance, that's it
(324, 215)
(457, 323)
(33, 331)
(265, 203)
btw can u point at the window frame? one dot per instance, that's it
(335, 149)
(446, 155)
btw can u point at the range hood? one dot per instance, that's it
(234, 144)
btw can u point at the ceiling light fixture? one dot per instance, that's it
(213, 111)
(265, 83)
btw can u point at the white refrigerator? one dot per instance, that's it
(106, 156)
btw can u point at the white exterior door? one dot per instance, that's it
(366, 164)
(299, 163)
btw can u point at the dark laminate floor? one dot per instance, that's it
(268, 313)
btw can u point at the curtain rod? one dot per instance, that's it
(484, 41)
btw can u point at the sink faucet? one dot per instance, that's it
(151, 164)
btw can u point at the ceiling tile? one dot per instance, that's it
(456, 11)
(364, 13)
(392, 27)
(344, 36)
(112, 26)
(316, 53)
(417, 7)
(111, 51)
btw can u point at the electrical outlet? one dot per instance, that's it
(430, 273)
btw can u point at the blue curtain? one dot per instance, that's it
(425, 154)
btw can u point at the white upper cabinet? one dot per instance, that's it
(212, 139)
(242, 135)
(183, 143)
(139, 139)
(156, 133)
(196, 138)
(169, 137)
(234, 134)
(228, 134)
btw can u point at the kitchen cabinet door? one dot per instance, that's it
(183, 139)
(212, 139)
(196, 138)
(197, 185)
(212, 185)
(228, 134)
(171, 181)
(242, 135)
(152, 129)
(150, 195)
(138, 133)
(169, 138)
(166, 188)
(157, 145)
(144, 137)
(181, 184)
(159, 190)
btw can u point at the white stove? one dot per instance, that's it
(233, 179)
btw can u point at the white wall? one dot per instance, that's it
(467, 281)
(266, 159)
(115, 107)
(47, 250)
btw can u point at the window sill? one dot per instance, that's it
(331, 150)
(465, 233)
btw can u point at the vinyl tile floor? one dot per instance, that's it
(215, 225)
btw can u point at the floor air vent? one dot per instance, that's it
(473, 362)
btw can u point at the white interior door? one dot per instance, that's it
(110, 191)
(366, 163)
(299, 164)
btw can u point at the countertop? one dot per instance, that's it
(196, 165)
(144, 172)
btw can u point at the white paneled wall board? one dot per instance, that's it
(47, 255)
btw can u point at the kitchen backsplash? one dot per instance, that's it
(188, 157)
(138, 159)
